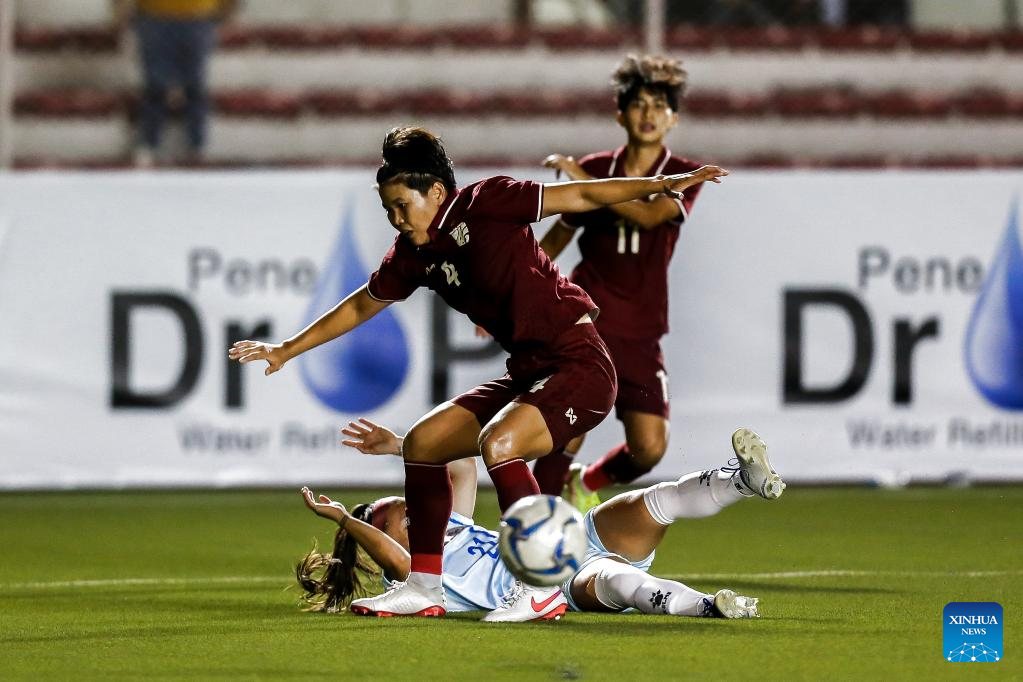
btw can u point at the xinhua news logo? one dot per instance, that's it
(972, 632)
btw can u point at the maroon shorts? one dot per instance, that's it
(572, 383)
(642, 379)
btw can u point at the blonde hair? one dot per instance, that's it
(330, 582)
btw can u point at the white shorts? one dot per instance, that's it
(595, 551)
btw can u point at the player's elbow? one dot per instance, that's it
(647, 222)
(651, 219)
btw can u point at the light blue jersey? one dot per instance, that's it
(475, 578)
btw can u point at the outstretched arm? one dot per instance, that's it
(382, 548)
(639, 212)
(358, 307)
(587, 195)
(372, 439)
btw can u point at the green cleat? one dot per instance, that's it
(576, 493)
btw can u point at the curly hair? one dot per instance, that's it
(329, 583)
(415, 157)
(652, 72)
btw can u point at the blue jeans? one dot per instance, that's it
(174, 52)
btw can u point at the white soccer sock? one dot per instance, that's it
(694, 496)
(620, 586)
(431, 581)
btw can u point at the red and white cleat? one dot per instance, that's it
(403, 599)
(526, 603)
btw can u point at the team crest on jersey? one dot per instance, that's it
(461, 234)
(450, 273)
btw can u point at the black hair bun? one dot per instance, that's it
(405, 147)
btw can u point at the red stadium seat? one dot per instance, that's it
(966, 161)
(854, 162)
(303, 38)
(81, 39)
(904, 104)
(70, 104)
(395, 37)
(443, 103)
(236, 37)
(816, 102)
(710, 104)
(1010, 41)
(765, 160)
(984, 103)
(485, 37)
(946, 41)
(257, 104)
(864, 38)
(770, 38)
(581, 38)
(340, 103)
(690, 38)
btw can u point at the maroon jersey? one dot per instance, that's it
(483, 261)
(625, 268)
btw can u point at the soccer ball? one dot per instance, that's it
(542, 540)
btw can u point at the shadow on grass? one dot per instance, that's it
(230, 624)
(752, 587)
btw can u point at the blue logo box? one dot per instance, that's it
(972, 632)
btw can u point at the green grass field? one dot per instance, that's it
(192, 585)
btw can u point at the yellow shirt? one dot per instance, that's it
(179, 9)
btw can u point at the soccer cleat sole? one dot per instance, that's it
(750, 448)
(554, 614)
(431, 612)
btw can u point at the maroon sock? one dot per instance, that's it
(617, 466)
(551, 471)
(428, 500)
(513, 482)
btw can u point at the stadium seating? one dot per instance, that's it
(774, 96)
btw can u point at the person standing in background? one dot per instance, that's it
(626, 250)
(175, 38)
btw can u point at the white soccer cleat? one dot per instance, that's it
(403, 599)
(754, 467)
(731, 605)
(526, 603)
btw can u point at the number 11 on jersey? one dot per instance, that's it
(633, 238)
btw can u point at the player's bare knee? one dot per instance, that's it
(646, 452)
(497, 446)
(417, 446)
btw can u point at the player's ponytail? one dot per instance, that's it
(415, 157)
(329, 583)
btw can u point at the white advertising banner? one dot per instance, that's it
(869, 325)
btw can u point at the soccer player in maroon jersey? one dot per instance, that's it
(626, 249)
(474, 247)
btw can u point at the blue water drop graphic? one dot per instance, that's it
(994, 339)
(365, 367)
